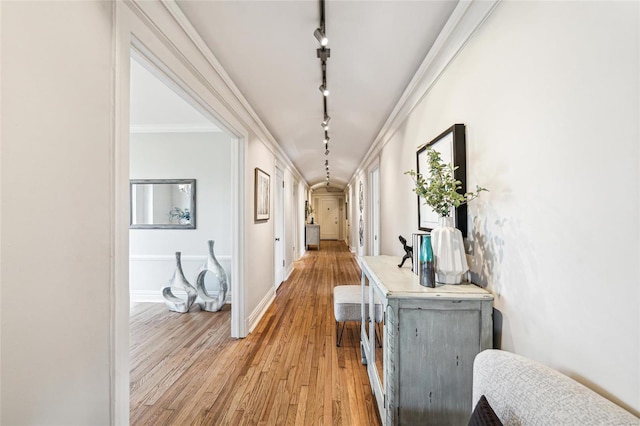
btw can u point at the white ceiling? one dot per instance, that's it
(268, 49)
(157, 108)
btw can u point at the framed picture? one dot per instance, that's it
(451, 146)
(262, 201)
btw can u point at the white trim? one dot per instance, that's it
(260, 310)
(155, 296)
(175, 128)
(465, 20)
(119, 197)
(238, 166)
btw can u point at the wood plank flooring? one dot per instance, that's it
(186, 370)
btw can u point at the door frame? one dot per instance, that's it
(134, 29)
(374, 210)
(279, 222)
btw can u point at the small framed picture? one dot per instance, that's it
(262, 201)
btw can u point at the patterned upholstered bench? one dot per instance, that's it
(346, 307)
(523, 392)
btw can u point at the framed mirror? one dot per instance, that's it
(163, 204)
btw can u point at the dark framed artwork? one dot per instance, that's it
(262, 201)
(361, 197)
(306, 210)
(451, 144)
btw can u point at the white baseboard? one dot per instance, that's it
(260, 310)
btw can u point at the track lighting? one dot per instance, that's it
(322, 38)
(324, 54)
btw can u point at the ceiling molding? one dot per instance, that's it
(465, 20)
(254, 123)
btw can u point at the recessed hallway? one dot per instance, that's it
(185, 369)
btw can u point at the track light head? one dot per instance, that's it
(325, 127)
(326, 139)
(322, 38)
(324, 90)
(326, 152)
(326, 119)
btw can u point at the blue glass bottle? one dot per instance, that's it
(426, 269)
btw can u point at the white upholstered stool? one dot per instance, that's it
(346, 307)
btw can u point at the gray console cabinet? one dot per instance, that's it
(427, 340)
(312, 236)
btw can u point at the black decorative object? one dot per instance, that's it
(408, 252)
(451, 146)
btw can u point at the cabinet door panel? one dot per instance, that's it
(435, 363)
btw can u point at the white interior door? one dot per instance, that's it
(375, 212)
(329, 219)
(278, 215)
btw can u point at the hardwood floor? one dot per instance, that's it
(185, 369)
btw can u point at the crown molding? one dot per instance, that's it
(250, 118)
(465, 20)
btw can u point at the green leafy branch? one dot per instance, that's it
(440, 190)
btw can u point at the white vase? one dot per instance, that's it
(448, 249)
(212, 302)
(179, 282)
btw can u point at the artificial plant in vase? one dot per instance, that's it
(310, 212)
(440, 190)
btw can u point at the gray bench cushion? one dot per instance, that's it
(346, 303)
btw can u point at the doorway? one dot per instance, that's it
(329, 218)
(279, 232)
(375, 211)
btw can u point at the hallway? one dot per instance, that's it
(185, 369)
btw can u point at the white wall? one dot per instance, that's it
(206, 157)
(57, 212)
(549, 92)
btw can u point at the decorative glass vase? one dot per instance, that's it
(178, 282)
(214, 301)
(448, 249)
(426, 268)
